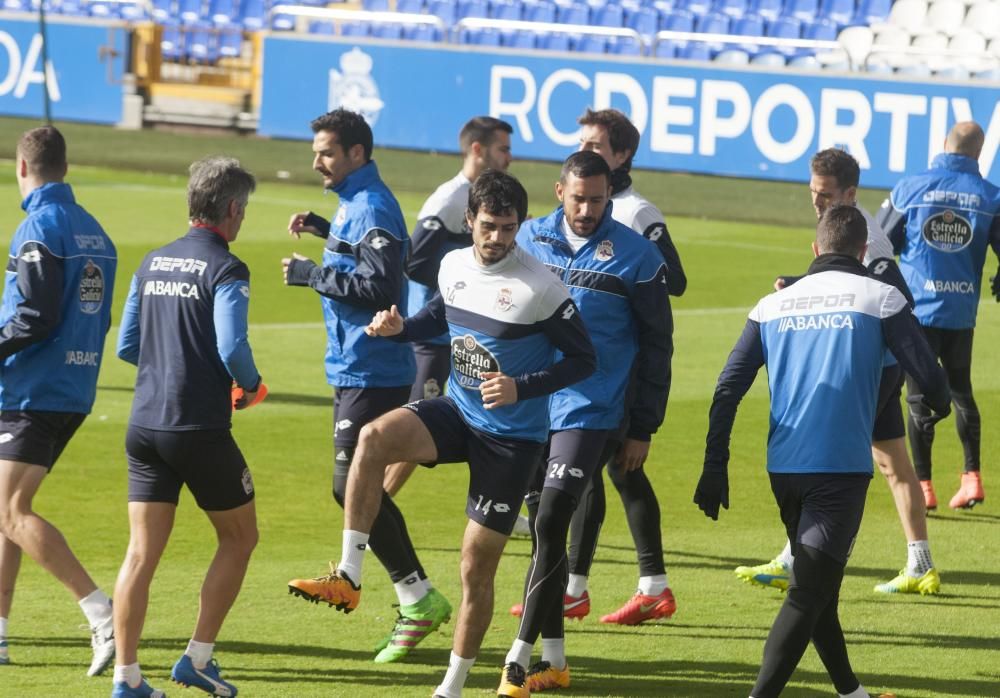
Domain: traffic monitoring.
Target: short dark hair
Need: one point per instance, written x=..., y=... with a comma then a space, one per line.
x=482, y=130
x=583, y=164
x=350, y=127
x=215, y=181
x=839, y=164
x=498, y=193
x=842, y=229
x=622, y=133
x=44, y=149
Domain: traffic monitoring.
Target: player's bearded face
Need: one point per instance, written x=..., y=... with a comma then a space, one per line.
x=493, y=236
x=498, y=156
x=584, y=201
x=331, y=160
x=826, y=192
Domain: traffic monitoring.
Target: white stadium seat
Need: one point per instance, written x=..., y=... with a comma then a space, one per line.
x=984, y=17
x=968, y=40
x=733, y=56
x=945, y=16
x=908, y=14
x=857, y=42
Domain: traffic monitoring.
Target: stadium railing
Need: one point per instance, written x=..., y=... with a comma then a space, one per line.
x=720, y=40
x=340, y=16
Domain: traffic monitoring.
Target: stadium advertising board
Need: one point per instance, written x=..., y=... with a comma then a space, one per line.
x=84, y=67
x=743, y=123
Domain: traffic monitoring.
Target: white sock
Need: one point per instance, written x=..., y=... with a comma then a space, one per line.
x=859, y=692
x=520, y=653
x=410, y=589
x=3, y=628
x=97, y=607
x=653, y=585
x=200, y=653
x=576, y=586
x=554, y=651
x=918, y=558
x=454, y=678
x=353, y=554
x=786, y=556
x=129, y=673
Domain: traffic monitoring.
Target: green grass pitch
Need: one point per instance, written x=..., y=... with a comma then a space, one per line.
x=276, y=645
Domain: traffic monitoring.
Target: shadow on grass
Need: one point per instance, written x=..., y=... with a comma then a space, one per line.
x=282, y=398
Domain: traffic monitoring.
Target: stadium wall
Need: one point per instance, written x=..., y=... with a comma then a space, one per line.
x=738, y=122
x=86, y=66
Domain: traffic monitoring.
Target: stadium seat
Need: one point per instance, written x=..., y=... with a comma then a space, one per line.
x=252, y=14
x=540, y=11
x=749, y=25
x=488, y=37
x=645, y=20
x=954, y=72
x=713, y=23
x=554, y=42
x=611, y=15
x=17, y=5
x=505, y=9
x=375, y=5
x=321, y=28
x=575, y=13
x=679, y=21
x=803, y=10
x=172, y=42
x=984, y=16
x=804, y=62
x=190, y=11
x=770, y=59
x=945, y=16
x=626, y=46
x=387, y=30
x=857, y=42
x=359, y=29
x=421, y=32
x=230, y=43
x=283, y=23
x=696, y=51
x=519, y=39
x=732, y=8
x=133, y=12
x=101, y=10
x=907, y=14
x=968, y=40
x=838, y=11
x=916, y=69
x=473, y=8
x=200, y=43
x=698, y=7
x=992, y=74
x=222, y=12
x=445, y=10
x=785, y=28
x=588, y=43
x=768, y=9
x=662, y=6
x=732, y=56
x=410, y=6
x=871, y=11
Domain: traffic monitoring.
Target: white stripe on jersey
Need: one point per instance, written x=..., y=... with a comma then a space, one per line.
x=879, y=246
x=831, y=292
x=448, y=203
x=631, y=209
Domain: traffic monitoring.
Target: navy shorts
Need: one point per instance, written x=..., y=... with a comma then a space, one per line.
x=822, y=510
x=500, y=469
x=36, y=437
x=573, y=456
x=889, y=423
x=433, y=368
x=208, y=461
x=355, y=407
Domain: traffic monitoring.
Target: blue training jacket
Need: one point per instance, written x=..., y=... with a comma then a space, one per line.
x=56, y=305
x=363, y=272
x=823, y=340
x=618, y=281
x=941, y=222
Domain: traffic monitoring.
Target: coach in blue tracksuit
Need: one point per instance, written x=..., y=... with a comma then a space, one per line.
x=824, y=342
x=941, y=222
x=56, y=311
x=362, y=273
x=618, y=281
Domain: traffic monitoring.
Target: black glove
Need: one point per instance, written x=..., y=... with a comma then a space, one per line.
x=712, y=490
x=924, y=416
x=995, y=286
x=321, y=225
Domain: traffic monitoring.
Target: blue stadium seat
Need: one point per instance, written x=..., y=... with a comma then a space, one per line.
x=626, y=46
x=696, y=51
x=222, y=12
x=505, y=9
x=101, y=10
x=172, y=42
x=133, y=12
x=712, y=23
x=749, y=25
x=768, y=9
x=871, y=11
x=518, y=39
x=666, y=49
x=576, y=13
x=230, y=43
x=190, y=11
x=421, y=32
x=645, y=20
x=410, y=6
x=804, y=10
x=769, y=59
x=321, y=28
x=698, y=7
x=200, y=43
x=252, y=14
x=488, y=37
x=662, y=6
x=785, y=28
x=473, y=8
x=588, y=43
x=375, y=5
x=387, y=30
x=554, y=42
x=839, y=11
x=356, y=29
x=732, y=56
x=732, y=8
x=540, y=11
x=678, y=21
x=17, y=5
x=445, y=10
x=821, y=30
x=610, y=16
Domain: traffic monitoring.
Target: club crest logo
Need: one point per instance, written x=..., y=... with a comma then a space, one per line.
x=505, y=300
x=605, y=251
x=341, y=216
x=91, y=288
x=431, y=389
x=353, y=88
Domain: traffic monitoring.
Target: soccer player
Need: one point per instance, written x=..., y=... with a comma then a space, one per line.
x=834, y=177
x=507, y=315
x=363, y=271
x=941, y=222
x=185, y=327
x=617, y=279
x=611, y=135
x=441, y=228
x=56, y=311
x=823, y=341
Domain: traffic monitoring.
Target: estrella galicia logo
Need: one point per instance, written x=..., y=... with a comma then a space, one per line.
x=471, y=360
x=354, y=89
x=947, y=231
x=91, y=288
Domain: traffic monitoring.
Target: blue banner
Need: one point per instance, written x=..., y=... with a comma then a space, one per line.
x=84, y=69
x=743, y=123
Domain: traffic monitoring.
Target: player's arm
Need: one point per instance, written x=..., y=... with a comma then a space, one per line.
x=651, y=225
x=566, y=331
x=737, y=376
x=128, y=332
x=893, y=222
x=887, y=271
x=40, y=284
x=427, y=249
x=907, y=342
x=655, y=324
x=375, y=284
x=230, y=316
x=995, y=244
x=430, y=322
x=308, y=222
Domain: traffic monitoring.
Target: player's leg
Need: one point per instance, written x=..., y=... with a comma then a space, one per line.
x=774, y=573
x=10, y=564
x=920, y=441
x=584, y=532
x=956, y=357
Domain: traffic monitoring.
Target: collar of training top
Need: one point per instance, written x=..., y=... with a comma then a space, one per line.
x=48, y=193
x=955, y=162
x=837, y=262
x=202, y=233
x=551, y=226
x=359, y=180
